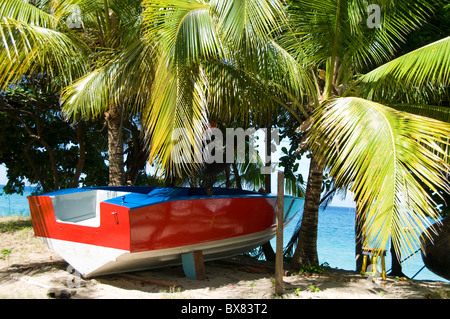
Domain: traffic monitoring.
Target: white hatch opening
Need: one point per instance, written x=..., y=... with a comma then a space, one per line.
x=81, y=208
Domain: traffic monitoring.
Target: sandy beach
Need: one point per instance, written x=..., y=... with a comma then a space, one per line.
x=31, y=269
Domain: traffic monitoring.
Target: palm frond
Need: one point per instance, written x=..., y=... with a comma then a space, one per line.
x=114, y=83
x=26, y=48
x=440, y=113
x=243, y=24
x=196, y=58
x=89, y=96
x=386, y=156
x=27, y=13
x=238, y=93
x=327, y=28
x=183, y=31
x=176, y=119
x=427, y=65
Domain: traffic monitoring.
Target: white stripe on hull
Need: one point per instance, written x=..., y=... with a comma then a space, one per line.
x=91, y=260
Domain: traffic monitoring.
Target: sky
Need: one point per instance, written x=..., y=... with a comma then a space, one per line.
x=3, y=179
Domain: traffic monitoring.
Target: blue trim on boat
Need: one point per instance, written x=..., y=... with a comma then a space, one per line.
x=148, y=189
x=141, y=200
x=141, y=196
x=131, y=189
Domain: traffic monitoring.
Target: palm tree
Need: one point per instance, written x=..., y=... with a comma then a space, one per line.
x=121, y=76
x=235, y=42
x=208, y=69
x=379, y=153
x=103, y=66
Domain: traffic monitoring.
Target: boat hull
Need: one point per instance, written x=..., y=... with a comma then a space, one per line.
x=92, y=260
x=133, y=231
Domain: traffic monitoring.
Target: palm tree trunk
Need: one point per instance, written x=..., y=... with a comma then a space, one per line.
x=115, y=147
x=267, y=247
x=137, y=153
x=268, y=155
x=359, y=240
x=396, y=264
x=306, y=251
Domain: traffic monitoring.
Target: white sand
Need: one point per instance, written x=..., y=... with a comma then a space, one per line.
x=31, y=260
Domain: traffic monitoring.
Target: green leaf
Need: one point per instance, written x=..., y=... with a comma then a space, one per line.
x=25, y=48
x=385, y=157
x=427, y=65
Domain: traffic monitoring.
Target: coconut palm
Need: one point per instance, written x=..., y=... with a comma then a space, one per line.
x=320, y=50
x=379, y=153
x=207, y=68
x=120, y=78
x=103, y=67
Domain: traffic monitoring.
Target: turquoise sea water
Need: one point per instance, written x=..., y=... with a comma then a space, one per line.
x=335, y=244
x=14, y=204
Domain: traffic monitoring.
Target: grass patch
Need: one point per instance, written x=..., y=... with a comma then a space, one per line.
x=13, y=224
x=321, y=269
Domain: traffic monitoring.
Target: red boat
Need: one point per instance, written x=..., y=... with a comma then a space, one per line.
x=108, y=230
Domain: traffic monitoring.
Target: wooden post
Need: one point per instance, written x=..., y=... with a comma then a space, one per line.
x=279, y=247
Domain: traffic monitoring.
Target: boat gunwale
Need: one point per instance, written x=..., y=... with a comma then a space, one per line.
x=238, y=194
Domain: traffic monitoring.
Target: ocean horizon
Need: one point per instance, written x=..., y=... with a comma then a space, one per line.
x=335, y=242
